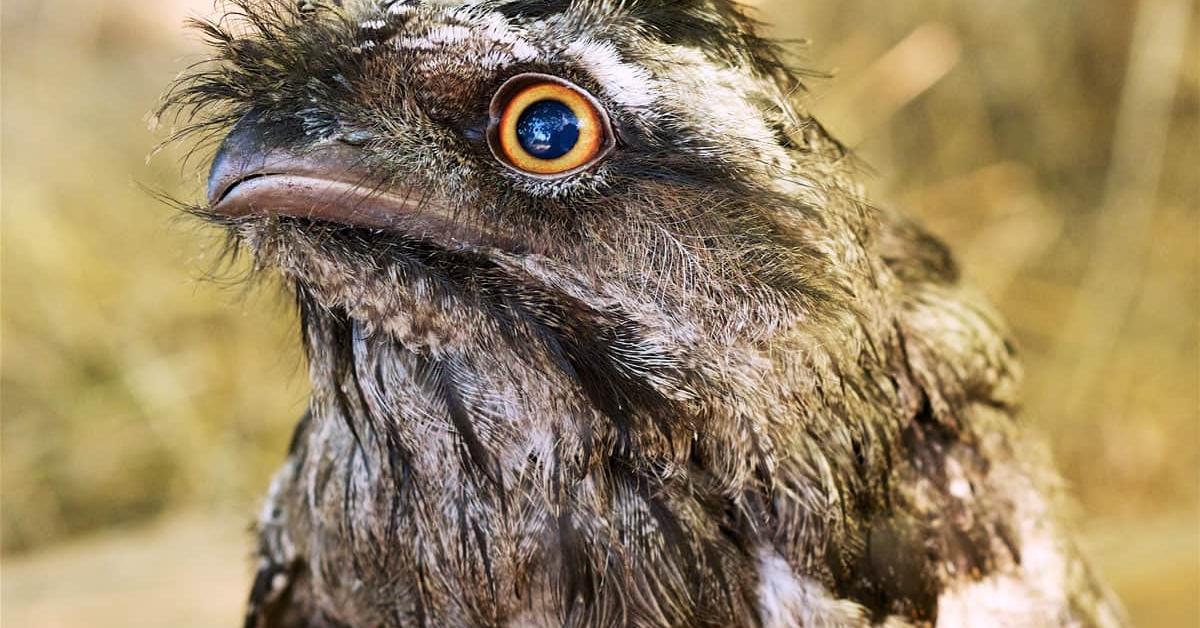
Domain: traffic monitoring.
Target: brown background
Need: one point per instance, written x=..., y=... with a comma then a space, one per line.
x=145, y=401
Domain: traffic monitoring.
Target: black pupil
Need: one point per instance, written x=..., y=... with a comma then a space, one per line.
x=548, y=129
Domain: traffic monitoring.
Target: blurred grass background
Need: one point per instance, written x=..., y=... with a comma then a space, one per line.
x=1054, y=145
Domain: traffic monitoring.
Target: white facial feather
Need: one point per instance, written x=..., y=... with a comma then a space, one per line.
x=628, y=85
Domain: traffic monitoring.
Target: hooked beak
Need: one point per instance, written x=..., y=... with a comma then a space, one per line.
x=250, y=176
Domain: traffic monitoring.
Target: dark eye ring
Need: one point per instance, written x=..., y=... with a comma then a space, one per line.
x=546, y=127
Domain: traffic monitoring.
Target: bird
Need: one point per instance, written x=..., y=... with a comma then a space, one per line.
x=603, y=330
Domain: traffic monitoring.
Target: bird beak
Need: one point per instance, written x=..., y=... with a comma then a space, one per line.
x=252, y=177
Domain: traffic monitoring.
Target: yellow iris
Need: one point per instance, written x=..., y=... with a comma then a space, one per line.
x=591, y=123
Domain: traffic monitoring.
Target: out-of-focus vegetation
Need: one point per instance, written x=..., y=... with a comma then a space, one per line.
x=1053, y=144
x=131, y=384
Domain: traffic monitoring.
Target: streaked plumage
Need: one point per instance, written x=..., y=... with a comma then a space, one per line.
x=701, y=382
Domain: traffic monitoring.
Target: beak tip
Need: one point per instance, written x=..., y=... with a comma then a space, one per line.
x=217, y=181
x=241, y=152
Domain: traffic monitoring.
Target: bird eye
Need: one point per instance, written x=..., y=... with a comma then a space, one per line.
x=544, y=126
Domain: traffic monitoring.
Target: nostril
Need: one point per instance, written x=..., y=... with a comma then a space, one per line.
x=355, y=138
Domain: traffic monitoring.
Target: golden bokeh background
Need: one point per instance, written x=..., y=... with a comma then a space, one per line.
x=146, y=394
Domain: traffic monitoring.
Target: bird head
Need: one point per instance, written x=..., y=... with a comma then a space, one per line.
x=421, y=164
